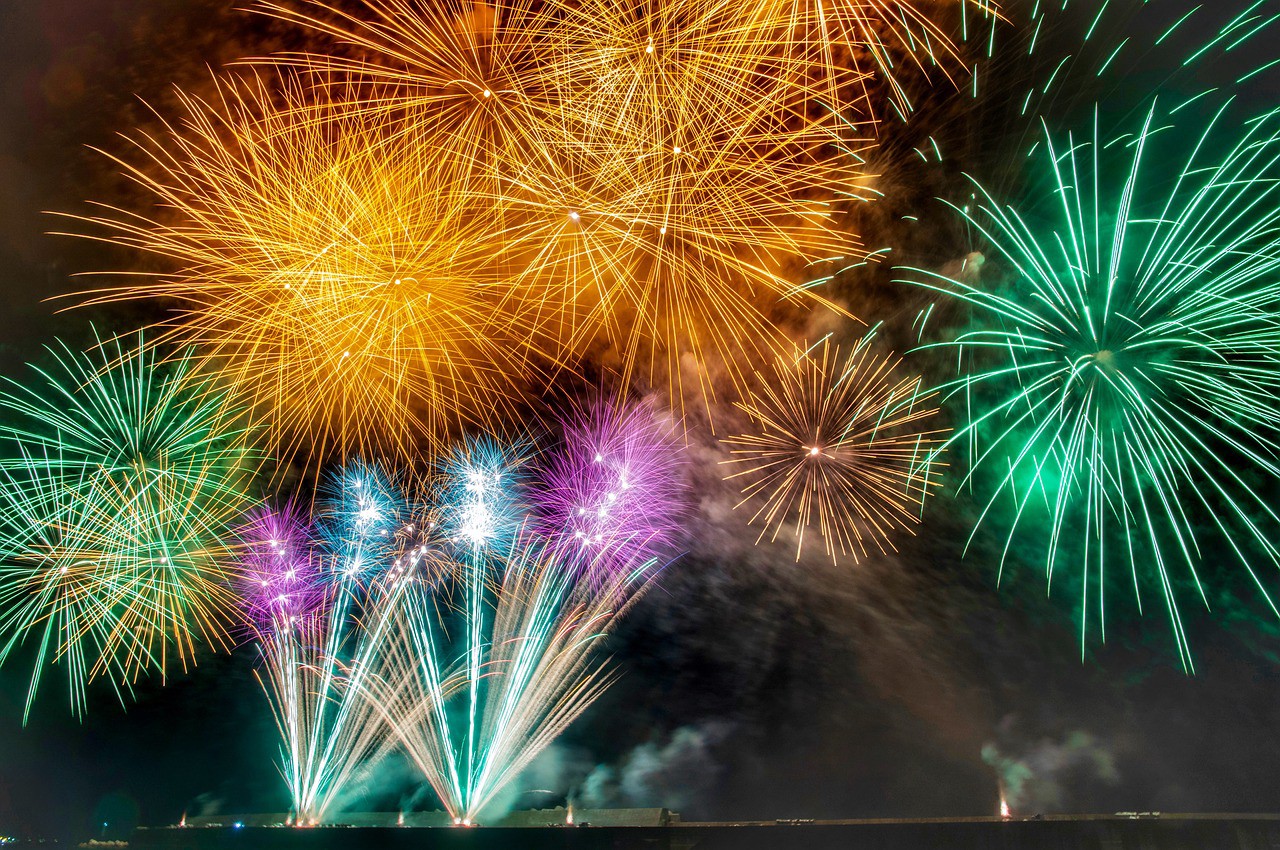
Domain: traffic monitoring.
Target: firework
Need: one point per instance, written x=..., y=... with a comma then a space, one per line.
x=1059, y=60
x=461, y=634
x=1120, y=389
x=328, y=732
x=841, y=444
x=362, y=512
x=684, y=244
x=326, y=269
x=894, y=44
x=482, y=482
x=612, y=492
x=507, y=72
x=654, y=178
x=654, y=68
x=283, y=598
x=484, y=514
x=119, y=475
x=278, y=581
x=318, y=660
x=467, y=79
x=53, y=589
x=540, y=673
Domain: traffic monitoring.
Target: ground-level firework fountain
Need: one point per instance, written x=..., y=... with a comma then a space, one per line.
x=456, y=617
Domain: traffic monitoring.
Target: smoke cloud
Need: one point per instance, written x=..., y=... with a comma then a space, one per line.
x=675, y=772
x=1049, y=774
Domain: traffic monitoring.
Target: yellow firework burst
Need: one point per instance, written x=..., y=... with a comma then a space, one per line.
x=335, y=278
x=840, y=444
x=702, y=182
x=468, y=80
x=658, y=175
x=888, y=41
x=680, y=245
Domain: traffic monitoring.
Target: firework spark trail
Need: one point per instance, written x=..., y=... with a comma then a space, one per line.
x=1060, y=59
x=477, y=670
x=612, y=492
x=285, y=606
x=318, y=668
x=369, y=545
x=121, y=474
x=537, y=662
x=840, y=445
x=533, y=602
x=888, y=41
x=1127, y=372
x=652, y=172
x=284, y=600
x=545, y=629
x=51, y=575
x=326, y=268
x=484, y=514
x=675, y=218
x=362, y=514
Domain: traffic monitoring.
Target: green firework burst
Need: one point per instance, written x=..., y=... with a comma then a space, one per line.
x=119, y=475
x=1120, y=389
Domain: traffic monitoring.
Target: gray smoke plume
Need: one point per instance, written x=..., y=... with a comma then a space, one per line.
x=1049, y=774
x=206, y=804
x=675, y=772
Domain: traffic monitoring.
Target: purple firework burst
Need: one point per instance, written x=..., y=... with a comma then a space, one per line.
x=614, y=492
x=278, y=582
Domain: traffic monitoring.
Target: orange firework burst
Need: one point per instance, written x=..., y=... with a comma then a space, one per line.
x=841, y=444
x=467, y=79
x=657, y=172
x=681, y=244
x=702, y=182
x=336, y=280
x=376, y=254
x=885, y=39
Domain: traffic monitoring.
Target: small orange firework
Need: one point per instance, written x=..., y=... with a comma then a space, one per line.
x=325, y=268
x=841, y=444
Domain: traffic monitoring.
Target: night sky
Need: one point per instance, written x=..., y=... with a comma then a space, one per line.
x=754, y=687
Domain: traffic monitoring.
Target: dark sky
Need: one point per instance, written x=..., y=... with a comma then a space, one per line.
x=753, y=687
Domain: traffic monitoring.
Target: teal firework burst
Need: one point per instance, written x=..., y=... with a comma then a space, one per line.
x=1119, y=391
x=119, y=476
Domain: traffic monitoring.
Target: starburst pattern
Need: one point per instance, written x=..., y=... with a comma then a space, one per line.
x=328, y=271
x=120, y=477
x=1121, y=390
x=611, y=494
x=841, y=443
x=657, y=175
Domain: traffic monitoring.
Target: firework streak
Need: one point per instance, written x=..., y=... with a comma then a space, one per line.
x=1124, y=373
x=451, y=623
x=120, y=475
